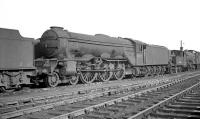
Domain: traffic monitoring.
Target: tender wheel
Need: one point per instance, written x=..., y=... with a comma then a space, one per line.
x=74, y=80
x=119, y=74
x=88, y=77
x=53, y=80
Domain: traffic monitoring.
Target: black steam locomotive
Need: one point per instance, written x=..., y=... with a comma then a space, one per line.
x=61, y=56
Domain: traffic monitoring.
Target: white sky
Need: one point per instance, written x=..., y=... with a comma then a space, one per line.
x=160, y=22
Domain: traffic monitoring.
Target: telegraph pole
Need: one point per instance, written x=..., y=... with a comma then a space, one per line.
x=181, y=48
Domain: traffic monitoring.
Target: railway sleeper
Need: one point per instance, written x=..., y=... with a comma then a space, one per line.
x=93, y=116
x=132, y=100
x=114, y=109
x=192, y=98
x=20, y=106
x=39, y=115
x=102, y=112
x=119, y=105
x=62, y=107
x=57, y=112
x=77, y=106
x=180, y=111
x=189, y=100
x=185, y=104
x=190, y=103
x=7, y=109
x=171, y=116
x=128, y=103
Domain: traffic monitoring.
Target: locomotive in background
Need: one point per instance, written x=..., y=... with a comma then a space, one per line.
x=61, y=56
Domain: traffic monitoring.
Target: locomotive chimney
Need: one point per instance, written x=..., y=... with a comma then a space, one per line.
x=56, y=27
x=181, y=48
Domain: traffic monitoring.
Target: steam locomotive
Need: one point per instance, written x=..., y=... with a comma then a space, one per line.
x=61, y=56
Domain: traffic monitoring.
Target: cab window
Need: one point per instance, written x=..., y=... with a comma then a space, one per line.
x=139, y=48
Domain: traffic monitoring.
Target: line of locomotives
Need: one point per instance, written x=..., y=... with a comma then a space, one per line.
x=60, y=56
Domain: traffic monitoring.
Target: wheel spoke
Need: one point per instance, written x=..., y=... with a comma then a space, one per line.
x=105, y=76
x=88, y=77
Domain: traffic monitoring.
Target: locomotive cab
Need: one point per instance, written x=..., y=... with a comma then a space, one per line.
x=178, y=57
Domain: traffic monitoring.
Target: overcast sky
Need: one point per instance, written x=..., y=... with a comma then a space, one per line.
x=160, y=22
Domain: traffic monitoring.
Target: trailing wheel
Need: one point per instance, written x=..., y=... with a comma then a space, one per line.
x=88, y=77
x=120, y=72
x=52, y=80
x=74, y=80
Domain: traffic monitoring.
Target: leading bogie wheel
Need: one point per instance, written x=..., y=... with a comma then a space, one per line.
x=52, y=80
x=74, y=80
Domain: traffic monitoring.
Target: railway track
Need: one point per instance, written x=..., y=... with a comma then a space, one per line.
x=138, y=105
x=17, y=107
x=75, y=104
x=183, y=105
x=72, y=90
x=46, y=93
x=28, y=90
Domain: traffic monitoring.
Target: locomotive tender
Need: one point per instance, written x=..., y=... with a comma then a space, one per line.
x=16, y=59
x=61, y=56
